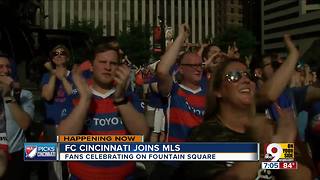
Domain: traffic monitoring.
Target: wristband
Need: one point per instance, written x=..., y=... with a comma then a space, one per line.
x=121, y=102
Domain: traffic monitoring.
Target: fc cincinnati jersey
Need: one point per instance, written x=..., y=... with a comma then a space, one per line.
x=54, y=108
x=103, y=118
x=186, y=111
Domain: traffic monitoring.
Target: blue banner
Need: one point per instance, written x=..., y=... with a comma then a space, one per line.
x=160, y=147
x=40, y=151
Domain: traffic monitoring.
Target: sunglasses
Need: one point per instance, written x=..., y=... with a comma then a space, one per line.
x=235, y=76
x=62, y=53
x=201, y=65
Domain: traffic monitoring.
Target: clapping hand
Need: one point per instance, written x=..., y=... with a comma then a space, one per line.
x=6, y=85
x=80, y=83
x=286, y=127
x=61, y=72
x=121, y=79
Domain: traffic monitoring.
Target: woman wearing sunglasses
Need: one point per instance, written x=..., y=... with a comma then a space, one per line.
x=230, y=117
x=56, y=85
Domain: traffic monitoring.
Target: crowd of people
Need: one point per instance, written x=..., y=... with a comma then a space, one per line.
x=201, y=95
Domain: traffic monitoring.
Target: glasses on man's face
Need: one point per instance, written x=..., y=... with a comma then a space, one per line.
x=235, y=76
x=61, y=53
x=194, y=66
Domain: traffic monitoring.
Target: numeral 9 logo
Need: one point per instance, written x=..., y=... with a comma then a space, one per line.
x=275, y=151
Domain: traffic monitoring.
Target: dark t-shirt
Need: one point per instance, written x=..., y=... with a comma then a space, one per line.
x=214, y=131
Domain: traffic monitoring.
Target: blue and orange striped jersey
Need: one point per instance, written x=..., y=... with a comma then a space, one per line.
x=104, y=119
x=186, y=111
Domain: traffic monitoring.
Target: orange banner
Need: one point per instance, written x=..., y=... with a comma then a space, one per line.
x=100, y=138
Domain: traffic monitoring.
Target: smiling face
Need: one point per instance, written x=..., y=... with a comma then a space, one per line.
x=191, y=68
x=59, y=56
x=236, y=87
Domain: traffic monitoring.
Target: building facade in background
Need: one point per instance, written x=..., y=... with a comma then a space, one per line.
x=228, y=13
x=300, y=18
x=115, y=15
x=252, y=20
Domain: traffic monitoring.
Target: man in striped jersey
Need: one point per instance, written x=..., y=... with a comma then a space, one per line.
x=103, y=109
x=186, y=98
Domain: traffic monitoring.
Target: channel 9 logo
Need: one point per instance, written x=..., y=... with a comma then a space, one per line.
x=279, y=152
x=40, y=151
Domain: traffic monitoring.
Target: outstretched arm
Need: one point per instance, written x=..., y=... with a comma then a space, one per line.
x=169, y=59
x=202, y=47
x=273, y=88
